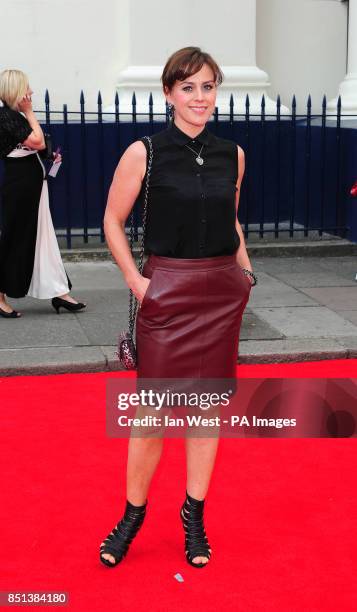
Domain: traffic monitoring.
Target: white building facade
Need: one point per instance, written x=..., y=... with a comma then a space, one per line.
x=265, y=47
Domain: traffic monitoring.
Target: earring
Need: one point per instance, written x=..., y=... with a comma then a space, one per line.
x=170, y=111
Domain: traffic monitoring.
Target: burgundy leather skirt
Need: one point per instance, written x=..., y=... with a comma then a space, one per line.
x=189, y=321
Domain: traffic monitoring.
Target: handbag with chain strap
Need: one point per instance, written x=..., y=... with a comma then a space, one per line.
x=126, y=344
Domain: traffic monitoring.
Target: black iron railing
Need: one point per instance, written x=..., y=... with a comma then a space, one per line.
x=299, y=168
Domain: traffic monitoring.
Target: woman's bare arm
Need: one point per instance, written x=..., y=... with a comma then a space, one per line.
x=242, y=255
x=36, y=139
x=124, y=190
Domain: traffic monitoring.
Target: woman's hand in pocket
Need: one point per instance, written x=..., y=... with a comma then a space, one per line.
x=249, y=280
x=141, y=287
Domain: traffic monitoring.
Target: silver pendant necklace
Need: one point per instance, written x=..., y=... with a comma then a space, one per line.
x=199, y=159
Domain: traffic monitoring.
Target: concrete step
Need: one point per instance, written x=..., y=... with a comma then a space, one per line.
x=323, y=248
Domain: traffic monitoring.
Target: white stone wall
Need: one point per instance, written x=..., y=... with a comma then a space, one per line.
x=69, y=45
x=302, y=45
x=65, y=46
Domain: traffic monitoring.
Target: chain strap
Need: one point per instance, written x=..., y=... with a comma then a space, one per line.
x=133, y=301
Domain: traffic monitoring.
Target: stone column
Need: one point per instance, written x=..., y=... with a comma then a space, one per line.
x=227, y=31
x=348, y=87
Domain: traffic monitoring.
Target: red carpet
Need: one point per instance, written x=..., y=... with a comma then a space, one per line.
x=280, y=514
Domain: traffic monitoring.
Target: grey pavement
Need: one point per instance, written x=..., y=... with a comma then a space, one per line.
x=303, y=308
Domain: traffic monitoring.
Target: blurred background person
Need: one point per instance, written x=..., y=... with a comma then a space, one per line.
x=30, y=260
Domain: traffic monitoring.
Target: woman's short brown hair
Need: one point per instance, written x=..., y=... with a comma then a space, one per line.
x=184, y=63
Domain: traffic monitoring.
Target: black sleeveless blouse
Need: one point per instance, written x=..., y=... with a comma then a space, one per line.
x=191, y=207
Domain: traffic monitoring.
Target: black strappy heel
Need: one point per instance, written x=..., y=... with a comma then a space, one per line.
x=118, y=541
x=196, y=542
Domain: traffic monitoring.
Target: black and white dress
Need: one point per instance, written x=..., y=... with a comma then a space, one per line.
x=30, y=260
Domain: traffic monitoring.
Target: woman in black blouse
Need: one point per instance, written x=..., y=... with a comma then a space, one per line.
x=30, y=260
x=195, y=283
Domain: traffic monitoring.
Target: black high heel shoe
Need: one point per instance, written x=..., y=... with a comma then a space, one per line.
x=196, y=542
x=118, y=541
x=57, y=303
x=10, y=315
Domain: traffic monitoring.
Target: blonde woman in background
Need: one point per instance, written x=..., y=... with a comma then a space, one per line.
x=30, y=260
